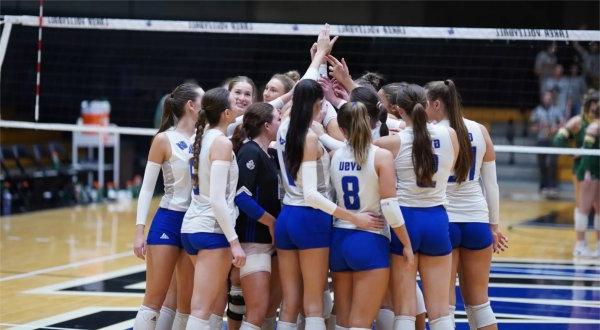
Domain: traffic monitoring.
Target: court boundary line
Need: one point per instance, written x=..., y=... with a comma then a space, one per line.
x=66, y=266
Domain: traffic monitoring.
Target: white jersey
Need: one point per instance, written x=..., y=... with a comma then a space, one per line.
x=466, y=202
x=293, y=187
x=409, y=193
x=200, y=216
x=356, y=187
x=176, y=173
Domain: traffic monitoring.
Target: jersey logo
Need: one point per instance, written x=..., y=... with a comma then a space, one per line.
x=164, y=236
x=436, y=143
x=182, y=145
x=250, y=165
x=281, y=141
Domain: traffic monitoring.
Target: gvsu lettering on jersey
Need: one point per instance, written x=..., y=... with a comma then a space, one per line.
x=349, y=166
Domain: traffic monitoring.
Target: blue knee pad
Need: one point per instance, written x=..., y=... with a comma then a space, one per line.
x=194, y=242
x=357, y=250
x=302, y=227
x=470, y=235
x=166, y=228
x=428, y=231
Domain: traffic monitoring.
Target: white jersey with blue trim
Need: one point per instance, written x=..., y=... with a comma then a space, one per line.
x=176, y=173
x=409, y=193
x=200, y=217
x=466, y=202
x=356, y=186
x=293, y=187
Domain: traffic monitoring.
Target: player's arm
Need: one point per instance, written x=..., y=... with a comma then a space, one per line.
x=591, y=135
x=159, y=152
x=567, y=132
x=315, y=199
x=384, y=165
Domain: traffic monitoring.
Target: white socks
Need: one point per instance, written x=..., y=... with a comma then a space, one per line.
x=286, y=326
x=165, y=319
x=441, y=323
x=385, y=320
x=180, y=321
x=216, y=322
x=270, y=323
x=315, y=323
x=195, y=323
x=145, y=319
x=249, y=326
x=403, y=322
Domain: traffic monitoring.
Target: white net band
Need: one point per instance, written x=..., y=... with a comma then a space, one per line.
x=376, y=31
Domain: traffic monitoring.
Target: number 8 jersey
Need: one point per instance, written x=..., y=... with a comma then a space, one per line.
x=356, y=187
x=466, y=202
x=409, y=193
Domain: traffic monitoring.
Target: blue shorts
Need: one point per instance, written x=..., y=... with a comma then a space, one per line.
x=470, y=235
x=428, y=231
x=192, y=243
x=302, y=227
x=358, y=250
x=166, y=228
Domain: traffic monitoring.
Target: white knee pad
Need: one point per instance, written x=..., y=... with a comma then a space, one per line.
x=165, y=319
x=215, y=321
x=596, y=221
x=385, y=320
x=581, y=220
x=420, y=301
x=256, y=263
x=327, y=304
x=195, y=323
x=286, y=326
x=145, y=319
x=441, y=323
x=248, y=326
x=339, y=327
x=482, y=315
x=180, y=321
x=404, y=322
x=315, y=323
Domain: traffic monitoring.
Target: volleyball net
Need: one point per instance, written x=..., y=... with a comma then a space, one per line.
x=132, y=63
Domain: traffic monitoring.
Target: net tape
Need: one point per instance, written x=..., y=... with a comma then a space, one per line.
x=375, y=31
x=152, y=131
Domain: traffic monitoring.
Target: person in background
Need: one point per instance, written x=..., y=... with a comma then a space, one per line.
x=544, y=63
x=591, y=62
x=559, y=85
x=545, y=121
x=577, y=88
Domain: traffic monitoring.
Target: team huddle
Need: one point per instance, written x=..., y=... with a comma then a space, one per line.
x=364, y=183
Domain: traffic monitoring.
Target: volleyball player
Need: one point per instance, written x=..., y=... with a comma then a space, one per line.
x=303, y=228
x=243, y=92
x=208, y=229
x=575, y=129
x=257, y=199
x=170, y=151
x=474, y=217
x=424, y=156
x=588, y=171
x=364, y=180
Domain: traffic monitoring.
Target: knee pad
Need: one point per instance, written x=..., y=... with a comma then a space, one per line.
x=597, y=221
x=215, y=321
x=420, y=302
x=403, y=322
x=385, y=320
x=236, y=307
x=581, y=220
x=260, y=262
x=286, y=326
x=482, y=315
x=339, y=327
x=327, y=304
x=441, y=323
x=248, y=326
x=314, y=322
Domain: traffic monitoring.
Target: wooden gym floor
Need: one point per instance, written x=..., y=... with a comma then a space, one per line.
x=74, y=268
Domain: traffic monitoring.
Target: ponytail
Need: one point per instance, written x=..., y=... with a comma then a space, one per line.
x=383, y=129
x=200, y=125
x=353, y=118
x=174, y=104
x=422, y=151
x=237, y=139
x=446, y=92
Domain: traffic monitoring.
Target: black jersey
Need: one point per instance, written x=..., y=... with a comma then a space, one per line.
x=258, y=179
